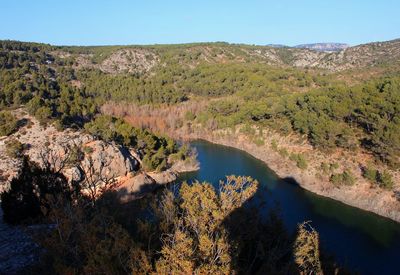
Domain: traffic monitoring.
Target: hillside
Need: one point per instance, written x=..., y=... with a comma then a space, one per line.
x=329, y=56
x=106, y=115
x=324, y=47
x=336, y=108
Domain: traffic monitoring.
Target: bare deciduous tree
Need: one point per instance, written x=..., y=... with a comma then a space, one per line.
x=96, y=176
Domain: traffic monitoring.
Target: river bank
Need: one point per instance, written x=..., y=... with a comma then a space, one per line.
x=133, y=187
x=360, y=195
x=366, y=242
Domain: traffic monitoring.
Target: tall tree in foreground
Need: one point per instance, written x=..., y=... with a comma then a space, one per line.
x=306, y=250
x=196, y=239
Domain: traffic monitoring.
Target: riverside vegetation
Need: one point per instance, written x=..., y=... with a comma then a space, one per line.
x=324, y=100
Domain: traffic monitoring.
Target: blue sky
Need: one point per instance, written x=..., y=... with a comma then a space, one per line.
x=290, y=22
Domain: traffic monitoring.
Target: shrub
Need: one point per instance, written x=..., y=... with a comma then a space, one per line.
x=14, y=148
x=43, y=114
x=258, y=141
x=189, y=115
x=76, y=155
x=345, y=178
x=336, y=179
x=87, y=149
x=8, y=123
x=370, y=174
x=248, y=130
x=156, y=162
x=385, y=180
x=334, y=166
x=348, y=177
x=325, y=168
x=274, y=145
x=300, y=160
x=283, y=152
x=382, y=179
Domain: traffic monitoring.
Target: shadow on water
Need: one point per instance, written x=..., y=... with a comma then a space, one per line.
x=362, y=240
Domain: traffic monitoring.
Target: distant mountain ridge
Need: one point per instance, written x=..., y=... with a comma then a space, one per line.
x=324, y=47
x=277, y=46
x=142, y=58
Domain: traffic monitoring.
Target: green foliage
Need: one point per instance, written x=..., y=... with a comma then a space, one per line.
x=258, y=141
x=182, y=236
x=28, y=76
x=248, y=130
x=329, y=114
x=190, y=116
x=14, y=148
x=157, y=161
x=283, y=152
x=158, y=88
x=87, y=150
x=345, y=178
x=333, y=166
x=332, y=117
x=274, y=145
x=300, y=160
x=8, y=123
x=76, y=155
x=325, y=168
x=155, y=149
x=381, y=178
x=182, y=153
x=385, y=180
x=370, y=173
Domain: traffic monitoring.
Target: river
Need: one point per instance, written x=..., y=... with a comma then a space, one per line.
x=363, y=241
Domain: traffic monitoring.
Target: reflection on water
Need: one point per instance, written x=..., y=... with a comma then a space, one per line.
x=363, y=240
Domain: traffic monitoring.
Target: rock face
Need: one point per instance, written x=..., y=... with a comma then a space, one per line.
x=112, y=161
x=116, y=160
x=324, y=47
x=129, y=61
x=136, y=186
x=46, y=144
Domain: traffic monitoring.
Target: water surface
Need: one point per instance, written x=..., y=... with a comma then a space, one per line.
x=364, y=241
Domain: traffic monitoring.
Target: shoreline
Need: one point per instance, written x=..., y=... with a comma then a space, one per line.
x=362, y=194
x=305, y=180
x=145, y=182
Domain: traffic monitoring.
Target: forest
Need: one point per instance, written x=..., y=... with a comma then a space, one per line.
x=331, y=110
x=190, y=228
x=365, y=115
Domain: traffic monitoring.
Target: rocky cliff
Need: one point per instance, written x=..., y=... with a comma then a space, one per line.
x=324, y=47
x=77, y=154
